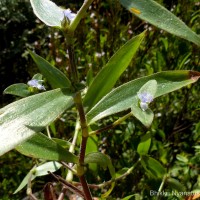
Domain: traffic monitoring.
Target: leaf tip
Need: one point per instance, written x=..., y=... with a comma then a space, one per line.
x=194, y=75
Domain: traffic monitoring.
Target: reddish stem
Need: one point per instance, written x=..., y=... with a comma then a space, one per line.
x=86, y=189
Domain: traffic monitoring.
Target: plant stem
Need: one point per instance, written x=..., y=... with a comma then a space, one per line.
x=69, y=168
x=117, y=122
x=32, y=196
x=129, y=171
x=69, y=186
x=80, y=15
x=83, y=122
x=72, y=64
x=161, y=186
x=122, y=176
x=73, y=144
x=69, y=34
x=48, y=132
x=69, y=176
x=62, y=194
x=85, y=134
x=84, y=127
x=29, y=190
x=82, y=150
x=86, y=189
x=78, y=99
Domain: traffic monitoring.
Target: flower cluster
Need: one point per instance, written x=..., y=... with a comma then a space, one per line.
x=145, y=99
x=36, y=84
x=69, y=14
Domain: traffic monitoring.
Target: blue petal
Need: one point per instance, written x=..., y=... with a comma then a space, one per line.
x=36, y=84
x=145, y=97
x=69, y=14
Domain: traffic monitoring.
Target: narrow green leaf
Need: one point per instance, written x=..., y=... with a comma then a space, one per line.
x=175, y=184
x=92, y=144
x=105, y=162
x=18, y=89
x=40, y=146
x=182, y=158
x=185, y=59
x=108, y=76
x=21, y=119
x=121, y=172
x=129, y=197
x=144, y=145
x=159, y=16
x=41, y=170
x=53, y=75
x=89, y=77
x=48, y=12
x=101, y=159
x=65, y=144
x=106, y=194
x=122, y=97
x=153, y=167
x=25, y=181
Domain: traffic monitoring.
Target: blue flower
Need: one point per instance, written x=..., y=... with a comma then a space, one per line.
x=69, y=14
x=145, y=99
x=36, y=84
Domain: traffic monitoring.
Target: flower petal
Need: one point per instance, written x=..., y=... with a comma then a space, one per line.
x=36, y=84
x=69, y=14
x=145, y=97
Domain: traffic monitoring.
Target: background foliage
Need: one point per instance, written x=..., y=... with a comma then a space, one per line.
x=176, y=127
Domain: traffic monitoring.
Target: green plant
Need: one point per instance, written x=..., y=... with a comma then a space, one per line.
x=22, y=121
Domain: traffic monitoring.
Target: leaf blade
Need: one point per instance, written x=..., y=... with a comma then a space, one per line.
x=40, y=146
x=48, y=12
x=121, y=98
x=18, y=89
x=104, y=161
x=153, y=167
x=144, y=145
x=41, y=170
x=175, y=184
x=55, y=77
x=159, y=16
x=101, y=159
x=107, y=77
x=21, y=119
